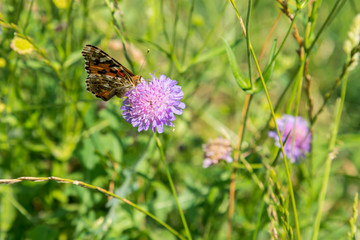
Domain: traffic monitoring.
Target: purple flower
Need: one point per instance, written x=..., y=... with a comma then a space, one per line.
x=153, y=104
x=216, y=150
x=302, y=136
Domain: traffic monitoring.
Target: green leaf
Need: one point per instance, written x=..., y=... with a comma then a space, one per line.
x=72, y=59
x=243, y=83
x=42, y=232
x=87, y=156
x=110, y=144
x=214, y=52
x=349, y=140
x=9, y=211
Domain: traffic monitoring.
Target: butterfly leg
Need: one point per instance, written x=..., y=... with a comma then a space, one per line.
x=137, y=94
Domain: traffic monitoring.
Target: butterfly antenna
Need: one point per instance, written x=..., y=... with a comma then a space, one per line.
x=142, y=65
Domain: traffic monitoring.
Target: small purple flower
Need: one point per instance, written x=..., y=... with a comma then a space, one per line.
x=302, y=136
x=216, y=150
x=153, y=104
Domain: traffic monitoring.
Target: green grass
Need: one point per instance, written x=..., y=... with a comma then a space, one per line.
x=51, y=126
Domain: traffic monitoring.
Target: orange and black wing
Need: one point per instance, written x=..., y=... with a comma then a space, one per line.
x=107, y=77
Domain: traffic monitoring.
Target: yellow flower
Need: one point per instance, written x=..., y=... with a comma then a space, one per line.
x=62, y=4
x=2, y=107
x=2, y=62
x=198, y=20
x=21, y=45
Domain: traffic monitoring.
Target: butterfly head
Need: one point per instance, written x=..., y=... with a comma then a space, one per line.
x=137, y=79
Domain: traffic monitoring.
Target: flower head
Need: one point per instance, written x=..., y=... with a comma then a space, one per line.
x=301, y=136
x=21, y=45
x=2, y=62
x=153, y=104
x=62, y=4
x=216, y=150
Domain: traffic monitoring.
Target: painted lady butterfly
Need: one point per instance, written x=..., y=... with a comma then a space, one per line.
x=107, y=77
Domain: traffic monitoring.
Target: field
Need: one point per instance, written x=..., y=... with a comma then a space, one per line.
x=257, y=138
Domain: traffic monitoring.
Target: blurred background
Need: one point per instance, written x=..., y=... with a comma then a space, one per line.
x=51, y=126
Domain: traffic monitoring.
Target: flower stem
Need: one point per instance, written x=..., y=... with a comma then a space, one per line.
x=85, y=185
x=282, y=147
x=333, y=12
x=258, y=222
x=232, y=186
x=248, y=41
x=162, y=156
x=276, y=126
x=331, y=155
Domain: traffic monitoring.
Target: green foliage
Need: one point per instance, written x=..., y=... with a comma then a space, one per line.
x=51, y=126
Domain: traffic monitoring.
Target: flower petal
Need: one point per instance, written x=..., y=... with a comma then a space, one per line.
x=153, y=104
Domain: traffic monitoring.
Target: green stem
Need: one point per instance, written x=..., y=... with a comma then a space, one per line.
x=251, y=171
x=85, y=14
x=248, y=41
x=284, y=40
x=277, y=129
x=310, y=26
x=281, y=145
x=66, y=42
x=85, y=185
x=28, y=16
x=259, y=218
x=336, y=83
x=172, y=49
x=188, y=31
x=333, y=11
x=210, y=34
x=163, y=21
x=279, y=103
x=298, y=77
x=162, y=155
x=120, y=31
x=299, y=88
x=331, y=155
x=232, y=185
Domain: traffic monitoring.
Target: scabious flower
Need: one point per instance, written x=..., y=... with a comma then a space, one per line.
x=216, y=150
x=301, y=136
x=153, y=104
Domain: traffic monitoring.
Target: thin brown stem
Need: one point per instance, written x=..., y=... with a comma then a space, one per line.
x=266, y=43
x=240, y=19
x=99, y=189
x=336, y=83
x=310, y=100
x=308, y=80
x=232, y=186
x=285, y=9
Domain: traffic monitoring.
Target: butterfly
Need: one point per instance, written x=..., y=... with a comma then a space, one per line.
x=107, y=77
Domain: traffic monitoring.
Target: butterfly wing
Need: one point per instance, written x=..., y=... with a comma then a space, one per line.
x=107, y=77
